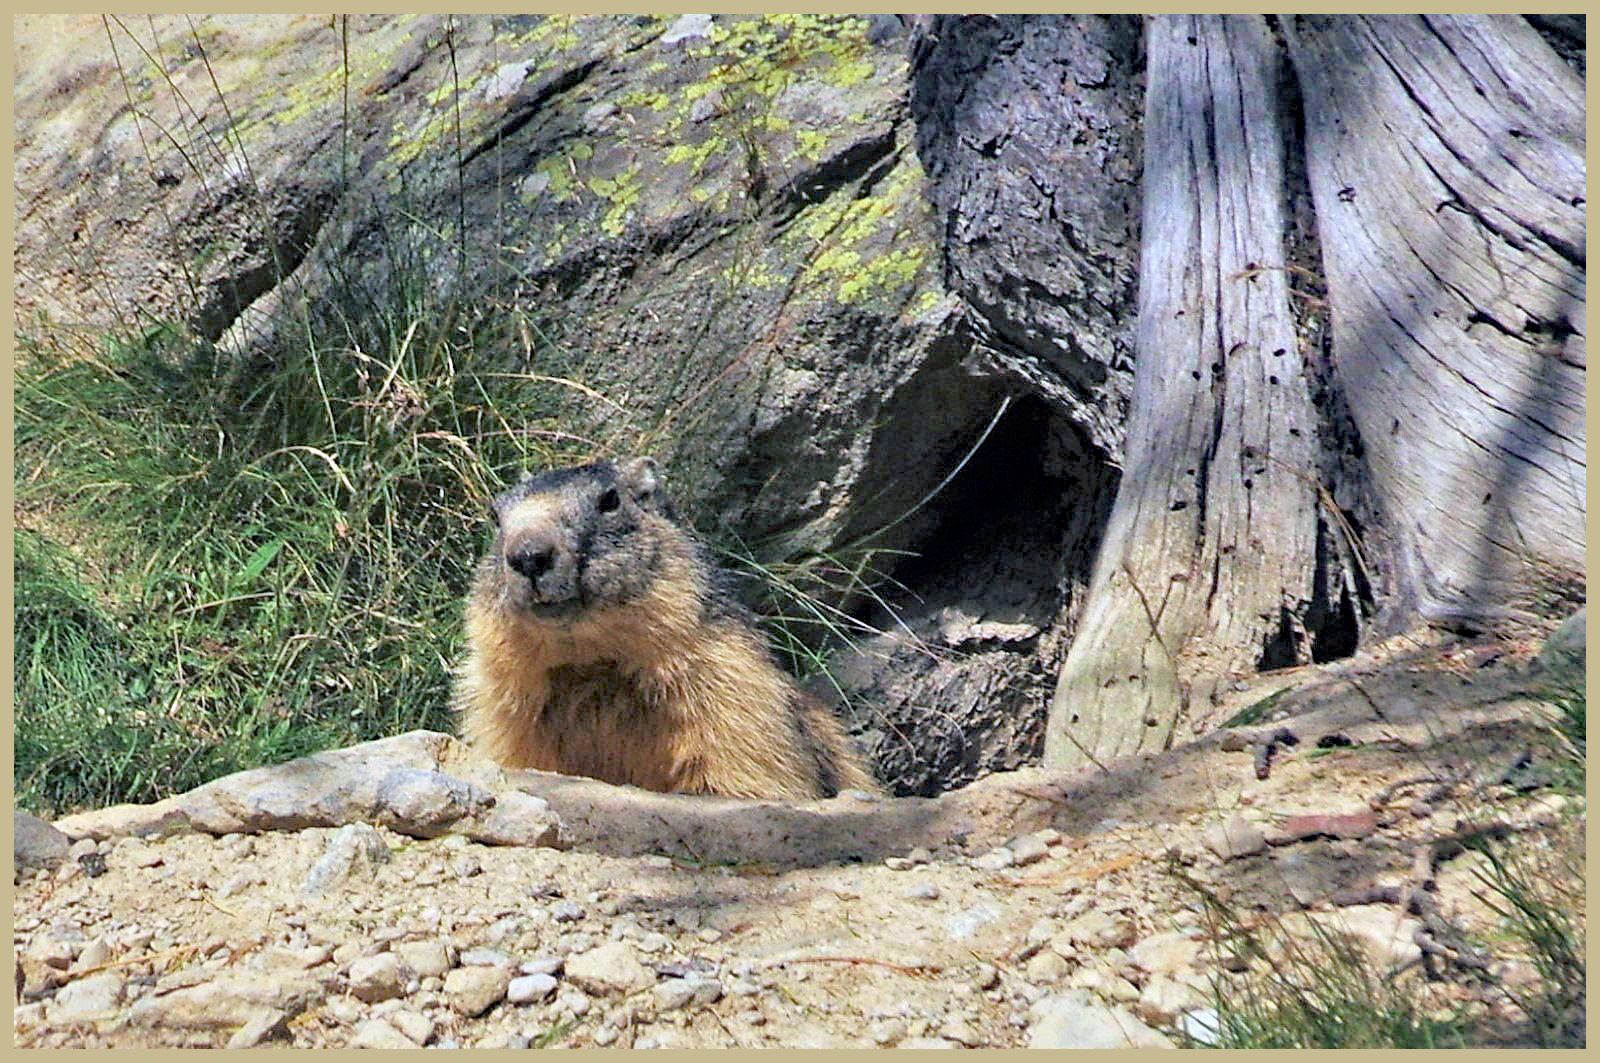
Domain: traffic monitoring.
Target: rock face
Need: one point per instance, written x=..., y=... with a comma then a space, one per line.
x=735, y=233
x=739, y=200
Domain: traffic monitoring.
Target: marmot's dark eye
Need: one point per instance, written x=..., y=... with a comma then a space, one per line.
x=609, y=500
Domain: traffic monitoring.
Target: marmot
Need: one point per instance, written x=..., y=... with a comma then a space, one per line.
x=603, y=641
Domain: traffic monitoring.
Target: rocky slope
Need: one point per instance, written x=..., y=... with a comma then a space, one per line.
x=401, y=894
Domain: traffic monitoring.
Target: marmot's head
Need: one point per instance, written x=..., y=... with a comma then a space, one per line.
x=576, y=539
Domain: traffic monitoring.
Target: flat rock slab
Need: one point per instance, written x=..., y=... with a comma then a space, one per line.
x=1346, y=825
x=421, y=784
x=425, y=784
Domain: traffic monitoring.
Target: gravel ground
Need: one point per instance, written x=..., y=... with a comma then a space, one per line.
x=1088, y=935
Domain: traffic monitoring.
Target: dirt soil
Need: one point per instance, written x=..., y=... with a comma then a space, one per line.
x=1349, y=791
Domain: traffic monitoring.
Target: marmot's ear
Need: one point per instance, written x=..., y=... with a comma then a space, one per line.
x=641, y=476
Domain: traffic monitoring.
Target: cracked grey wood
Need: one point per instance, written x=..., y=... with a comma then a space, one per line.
x=1212, y=538
x=1446, y=159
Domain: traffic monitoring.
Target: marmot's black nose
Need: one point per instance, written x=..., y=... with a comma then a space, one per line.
x=533, y=562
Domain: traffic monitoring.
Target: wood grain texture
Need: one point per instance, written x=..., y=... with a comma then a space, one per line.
x=1446, y=159
x=1211, y=544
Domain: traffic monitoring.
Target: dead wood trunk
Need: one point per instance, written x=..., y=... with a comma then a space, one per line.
x=1446, y=160
x=1207, y=562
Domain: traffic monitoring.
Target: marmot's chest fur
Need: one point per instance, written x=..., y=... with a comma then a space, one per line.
x=599, y=644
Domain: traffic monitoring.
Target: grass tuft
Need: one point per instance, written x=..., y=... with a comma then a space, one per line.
x=1322, y=991
x=1318, y=990
x=1539, y=905
x=224, y=562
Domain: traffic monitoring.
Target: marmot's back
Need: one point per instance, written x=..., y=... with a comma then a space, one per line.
x=601, y=642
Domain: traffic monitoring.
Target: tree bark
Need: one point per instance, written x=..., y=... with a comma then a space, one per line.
x=1028, y=131
x=1206, y=569
x=1446, y=161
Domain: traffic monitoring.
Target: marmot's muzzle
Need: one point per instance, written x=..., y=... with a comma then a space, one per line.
x=541, y=570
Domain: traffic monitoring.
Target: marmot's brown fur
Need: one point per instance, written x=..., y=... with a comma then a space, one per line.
x=602, y=641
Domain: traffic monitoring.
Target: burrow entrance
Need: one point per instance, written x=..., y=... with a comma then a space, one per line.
x=974, y=612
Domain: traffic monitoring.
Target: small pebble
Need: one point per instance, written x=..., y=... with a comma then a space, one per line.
x=574, y=1001
x=1236, y=838
x=139, y=853
x=565, y=912
x=474, y=990
x=258, y=1029
x=236, y=883
x=377, y=1033
x=1349, y=825
x=886, y=1031
x=1047, y=965
x=136, y=939
x=342, y=1010
x=348, y=952
x=530, y=988
x=1028, y=850
x=94, y=953
x=430, y=959
x=54, y=952
x=375, y=978
x=957, y=1029
x=484, y=957
x=416, y=1026
x=88, y=1000
x=672, y=994
x=993, y=860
